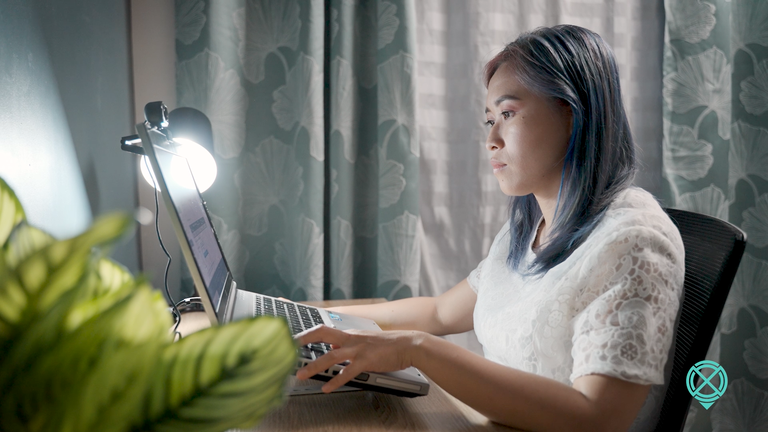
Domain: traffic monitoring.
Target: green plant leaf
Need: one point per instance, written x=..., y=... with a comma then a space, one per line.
x=112, y=275
x=107, y=288
x=13, y=299
x=85, y=346
x=11, y=212
x=24, y=241
x=43, y=288
x=221, y=378
x=105, y=361
x=110, y=400
x=48, y=273
x=37, y=293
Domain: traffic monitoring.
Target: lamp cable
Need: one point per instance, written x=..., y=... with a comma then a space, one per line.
x=175, y=309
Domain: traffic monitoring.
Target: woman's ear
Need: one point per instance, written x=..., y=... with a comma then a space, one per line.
x=567, y=112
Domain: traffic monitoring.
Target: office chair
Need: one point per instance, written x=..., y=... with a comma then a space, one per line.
x=713, y=250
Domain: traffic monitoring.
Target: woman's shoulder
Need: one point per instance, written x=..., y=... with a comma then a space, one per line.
x=636, y=198
x=635, y=225
x=635, y=209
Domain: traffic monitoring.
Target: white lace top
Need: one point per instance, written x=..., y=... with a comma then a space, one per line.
x=610, y=308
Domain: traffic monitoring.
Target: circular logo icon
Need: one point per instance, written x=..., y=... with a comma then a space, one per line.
x=713, y=383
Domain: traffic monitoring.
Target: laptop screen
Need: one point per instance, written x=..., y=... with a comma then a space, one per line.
x=195, y=223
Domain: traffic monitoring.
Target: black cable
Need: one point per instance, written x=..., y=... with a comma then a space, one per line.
x=189, y=300
x=176, y=313
x=190, y=304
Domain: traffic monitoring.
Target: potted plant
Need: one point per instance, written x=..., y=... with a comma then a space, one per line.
x=86, y=346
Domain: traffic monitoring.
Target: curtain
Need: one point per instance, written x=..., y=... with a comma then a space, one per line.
x=312, y=105
x=716, y=162
x=462, y=207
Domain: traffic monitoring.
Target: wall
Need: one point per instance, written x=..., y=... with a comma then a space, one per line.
x=65, y=101
x=154, y=79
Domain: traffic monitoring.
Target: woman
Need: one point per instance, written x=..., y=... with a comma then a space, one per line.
x=576, y=302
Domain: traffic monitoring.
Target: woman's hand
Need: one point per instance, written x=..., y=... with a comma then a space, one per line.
x=366, y=351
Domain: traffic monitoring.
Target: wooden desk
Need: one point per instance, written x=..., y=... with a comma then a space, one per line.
x=365, y=410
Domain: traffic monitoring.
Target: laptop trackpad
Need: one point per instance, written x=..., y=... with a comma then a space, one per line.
x=350, y=322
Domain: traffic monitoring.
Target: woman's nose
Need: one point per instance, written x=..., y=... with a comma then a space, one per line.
x=494, y=141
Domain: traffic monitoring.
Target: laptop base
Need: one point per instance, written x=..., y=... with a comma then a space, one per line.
x=298, y=387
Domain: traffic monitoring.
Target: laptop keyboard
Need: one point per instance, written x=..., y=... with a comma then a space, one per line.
x=299, y=317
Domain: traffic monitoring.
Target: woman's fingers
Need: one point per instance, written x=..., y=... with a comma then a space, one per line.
x=346, y=375
x=322, y=333
x=359, y=350
x=322, y=363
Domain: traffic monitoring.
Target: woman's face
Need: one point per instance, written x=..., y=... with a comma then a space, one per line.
x=527, y=138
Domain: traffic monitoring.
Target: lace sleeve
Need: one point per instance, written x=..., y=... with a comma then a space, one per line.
x=475, y=275
x=633, y=285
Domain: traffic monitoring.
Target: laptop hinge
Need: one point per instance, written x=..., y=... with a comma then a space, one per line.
x=230, y=310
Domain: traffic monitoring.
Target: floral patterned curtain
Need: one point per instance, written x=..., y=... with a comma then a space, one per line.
x=716, y=162
x=312, y=108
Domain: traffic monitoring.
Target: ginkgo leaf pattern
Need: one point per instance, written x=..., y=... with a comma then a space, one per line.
x=749, y=23
x=702, y=80
x=273, y=291
x=299, y=258
x=391, y=181
x=390, y=185
x=691, y=20
x=381, y=17
x=264, y=26
x=343, y=105
x=396, y=92
x=366, y=49
x=748, y=153
x=399, y=250
x=334, y=24
x=712, y=45
x=189, y=20
x=756, y=223
x=743, y=407
x=684, y=155
x=342, y=243
x=270, y=177
x=300, y=141
x=692, y=410
x=367, y=203
x=223, y=37
x=234, y=250
x=754, y=90
x=300, y=101
x=748, y=290
x=387, y=23
x=204, y=83
x=710, y=201
x=756, y=354
x=334, y=183
x=713, y=352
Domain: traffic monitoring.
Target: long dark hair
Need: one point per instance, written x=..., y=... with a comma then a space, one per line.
x=576, y=66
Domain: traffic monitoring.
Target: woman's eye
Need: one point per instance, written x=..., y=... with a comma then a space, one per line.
x=506, y=114
x=489, y=123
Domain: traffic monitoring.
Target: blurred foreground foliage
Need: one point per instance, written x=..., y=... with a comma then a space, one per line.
x=85, y=346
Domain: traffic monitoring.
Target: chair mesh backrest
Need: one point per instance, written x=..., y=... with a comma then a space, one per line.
x=713, y=250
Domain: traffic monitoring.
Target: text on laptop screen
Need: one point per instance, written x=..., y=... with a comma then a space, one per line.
x=194, y=219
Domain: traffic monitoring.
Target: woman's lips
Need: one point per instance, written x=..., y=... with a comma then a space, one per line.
x=497, y=165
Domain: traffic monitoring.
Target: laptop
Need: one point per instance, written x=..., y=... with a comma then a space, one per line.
x=223, y=301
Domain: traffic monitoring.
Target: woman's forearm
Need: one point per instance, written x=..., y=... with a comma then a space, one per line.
x=448, y=313
x=416, y=313
x=506, y=395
